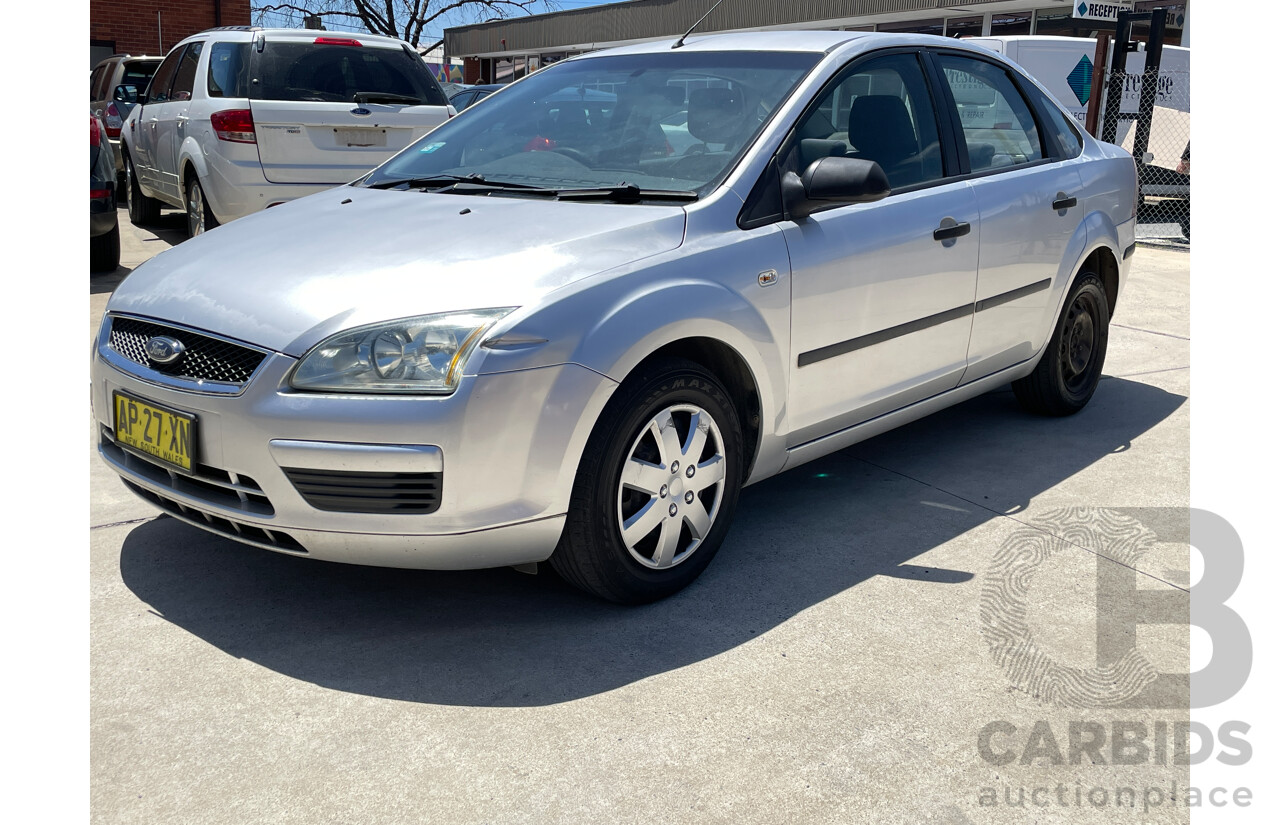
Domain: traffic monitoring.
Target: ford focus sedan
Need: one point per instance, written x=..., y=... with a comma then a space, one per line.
x=548, y=332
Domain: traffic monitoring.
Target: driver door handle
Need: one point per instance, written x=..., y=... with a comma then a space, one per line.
x=946, y=233
x=1063, y=202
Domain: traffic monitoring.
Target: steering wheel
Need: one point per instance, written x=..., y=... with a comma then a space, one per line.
x=573, y=154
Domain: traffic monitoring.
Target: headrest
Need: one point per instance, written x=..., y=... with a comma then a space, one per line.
x=716, y=115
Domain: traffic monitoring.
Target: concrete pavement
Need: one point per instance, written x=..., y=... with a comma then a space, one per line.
x=839, y=662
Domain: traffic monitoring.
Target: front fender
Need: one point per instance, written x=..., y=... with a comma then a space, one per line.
x=614, y=321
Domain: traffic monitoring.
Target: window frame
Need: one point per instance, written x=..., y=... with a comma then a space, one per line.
x=1050, y=149
x=176, y=54
x=196, y=46
x=766, y=190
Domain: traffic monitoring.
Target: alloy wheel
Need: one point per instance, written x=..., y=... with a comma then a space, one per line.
x=671, y=486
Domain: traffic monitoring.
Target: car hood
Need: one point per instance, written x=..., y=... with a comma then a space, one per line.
x=289, y=277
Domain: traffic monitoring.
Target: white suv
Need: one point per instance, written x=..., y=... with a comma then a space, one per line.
x=236, y=120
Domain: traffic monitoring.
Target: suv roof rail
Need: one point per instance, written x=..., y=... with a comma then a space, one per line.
x=234, y=29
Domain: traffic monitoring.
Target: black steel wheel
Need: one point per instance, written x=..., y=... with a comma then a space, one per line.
x=1071, y=365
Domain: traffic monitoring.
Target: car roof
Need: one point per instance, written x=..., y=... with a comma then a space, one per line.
x=790, y=41
x=249, y=33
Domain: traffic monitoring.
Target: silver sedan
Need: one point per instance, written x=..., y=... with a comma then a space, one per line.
x=543, y=333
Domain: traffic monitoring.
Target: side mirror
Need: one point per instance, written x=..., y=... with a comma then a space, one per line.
x=833, y=181
x=126, y=93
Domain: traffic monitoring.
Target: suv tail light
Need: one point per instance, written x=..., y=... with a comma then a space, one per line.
x=95, y=137
x=234, y=125
x=113, y=121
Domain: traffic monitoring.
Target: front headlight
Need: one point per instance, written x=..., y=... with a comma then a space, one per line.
x=413, y=355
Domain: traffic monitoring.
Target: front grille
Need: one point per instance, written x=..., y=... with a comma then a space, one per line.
x=348, y=492
x=205, y=358
x=218, y=487
x=239, y=531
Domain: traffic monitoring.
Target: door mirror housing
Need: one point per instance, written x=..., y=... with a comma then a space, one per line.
x=832, y=181
x=126, y=93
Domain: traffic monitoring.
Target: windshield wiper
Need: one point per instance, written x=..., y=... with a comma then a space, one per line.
x=427, y=182
x=625, y=193
x=385, y=97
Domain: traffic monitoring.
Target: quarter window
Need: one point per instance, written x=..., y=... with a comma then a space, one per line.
x=880, y=111
x=228, y=70
x=999, y=129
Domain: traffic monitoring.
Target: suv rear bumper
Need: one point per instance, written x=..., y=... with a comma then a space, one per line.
x=235, y=188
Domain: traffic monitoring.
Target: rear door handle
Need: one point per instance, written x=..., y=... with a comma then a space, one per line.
x=1063, y=202
x=947, y=232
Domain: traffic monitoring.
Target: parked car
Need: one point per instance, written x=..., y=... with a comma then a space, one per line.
x=242, y=119
x=472, y=94
x=104, y=226
x=114, y=86
x=504, y=346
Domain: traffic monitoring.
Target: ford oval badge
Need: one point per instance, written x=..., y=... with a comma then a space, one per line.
x=163, y=349
x=361, y=111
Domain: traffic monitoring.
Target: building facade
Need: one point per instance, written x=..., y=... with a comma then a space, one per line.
x=504, y=50
x=154, y=26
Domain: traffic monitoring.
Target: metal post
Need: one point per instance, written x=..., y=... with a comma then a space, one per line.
x=1150, y=84
x=1095, y=83
x=1115, y=83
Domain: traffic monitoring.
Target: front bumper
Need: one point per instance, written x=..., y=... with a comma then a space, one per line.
x=507, y=446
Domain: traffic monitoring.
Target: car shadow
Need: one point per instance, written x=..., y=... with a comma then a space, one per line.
x=501, y=639
x=106, y=282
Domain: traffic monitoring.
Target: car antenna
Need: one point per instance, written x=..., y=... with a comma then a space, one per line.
x=680, y=42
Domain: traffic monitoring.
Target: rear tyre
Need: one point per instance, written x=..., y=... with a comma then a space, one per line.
x=200, y=217
x=656, y=488
x=142, y=210
x=1071, y=364
x=104, y=251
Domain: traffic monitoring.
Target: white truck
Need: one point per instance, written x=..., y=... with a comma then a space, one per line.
x=1064, y=66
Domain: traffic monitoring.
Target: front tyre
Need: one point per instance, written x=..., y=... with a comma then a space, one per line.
x=656, y=488
x=1071, y=365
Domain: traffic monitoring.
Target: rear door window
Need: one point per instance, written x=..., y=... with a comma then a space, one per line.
x=999, y=129
x=333, y=73
x=158, y=91
x=184, y=81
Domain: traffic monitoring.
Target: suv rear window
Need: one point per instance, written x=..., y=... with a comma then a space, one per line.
x=334, y=73
x=138, y=73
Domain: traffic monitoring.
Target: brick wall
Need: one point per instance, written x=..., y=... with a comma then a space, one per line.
x=132, y=24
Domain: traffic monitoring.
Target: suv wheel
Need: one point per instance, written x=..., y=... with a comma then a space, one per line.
x=142, y=210
x=200, y=217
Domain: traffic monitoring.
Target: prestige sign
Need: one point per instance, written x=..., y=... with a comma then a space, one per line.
x=1085, y=10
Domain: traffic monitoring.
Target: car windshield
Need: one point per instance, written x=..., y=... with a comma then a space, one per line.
x=670, y=122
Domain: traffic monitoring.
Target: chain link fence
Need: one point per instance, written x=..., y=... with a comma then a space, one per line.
x=1161, y=146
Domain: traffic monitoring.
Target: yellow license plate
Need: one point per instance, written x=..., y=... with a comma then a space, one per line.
x=167, y=434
